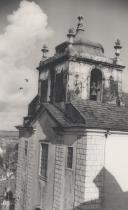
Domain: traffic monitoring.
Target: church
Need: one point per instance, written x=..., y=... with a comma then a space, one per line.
x=74, y=140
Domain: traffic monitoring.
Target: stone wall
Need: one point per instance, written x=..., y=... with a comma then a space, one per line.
x=79, y=81
x=59, y=177
x=31, y=190
x=20, y=182
x=30, y=163
x=89, y=185
x=80, y=170
x=94, y=182
x=82, y=186
x=74, y=81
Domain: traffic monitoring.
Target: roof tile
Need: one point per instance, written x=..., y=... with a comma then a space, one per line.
x=96, y=115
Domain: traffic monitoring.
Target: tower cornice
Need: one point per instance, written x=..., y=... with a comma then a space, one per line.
x=104, y=61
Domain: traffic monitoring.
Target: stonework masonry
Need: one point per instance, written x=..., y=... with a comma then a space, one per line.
x=94, y=164
x=26, y=172
x=29, y=173
x=89, y=163
x=20, y=185
x=80, y=170
x=59, y=177
x=79, y=79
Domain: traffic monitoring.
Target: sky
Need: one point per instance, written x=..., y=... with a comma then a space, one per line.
x=26, y=25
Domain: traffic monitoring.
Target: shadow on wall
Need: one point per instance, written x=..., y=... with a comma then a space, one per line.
x=114, y=197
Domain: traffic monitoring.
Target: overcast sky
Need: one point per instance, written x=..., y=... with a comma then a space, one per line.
x=27, y=25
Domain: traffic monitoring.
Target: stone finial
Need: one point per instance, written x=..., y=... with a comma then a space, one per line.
x=117, y=47
x=80, y=26
x=71, y=35
x=45, y=51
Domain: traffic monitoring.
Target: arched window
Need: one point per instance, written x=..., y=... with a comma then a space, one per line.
x=60, y=86
x=96, y=85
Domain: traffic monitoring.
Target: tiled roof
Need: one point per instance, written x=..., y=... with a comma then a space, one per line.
x=96, y=115
x=80, y=46
x=103, y=116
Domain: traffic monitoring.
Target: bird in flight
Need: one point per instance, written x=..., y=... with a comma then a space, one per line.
x=26, y=80
x=20, y=88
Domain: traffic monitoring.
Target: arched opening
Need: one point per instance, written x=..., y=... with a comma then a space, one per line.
x=96, y=85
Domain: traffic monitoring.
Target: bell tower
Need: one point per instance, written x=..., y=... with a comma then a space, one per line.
x=79, y=69
x=72, y=124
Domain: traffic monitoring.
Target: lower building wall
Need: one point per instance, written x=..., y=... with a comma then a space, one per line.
x=32, y=190
x=116, y=173
x=97, y=180
x=40, y=189
x=82, y=187
x=84, y=183
x=106, y=171
x=25, y=173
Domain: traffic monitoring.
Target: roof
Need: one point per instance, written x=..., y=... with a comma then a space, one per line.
x=102, y=115
x=78, y=48
x=57, y=114
x=82, y=45
x=95, y=115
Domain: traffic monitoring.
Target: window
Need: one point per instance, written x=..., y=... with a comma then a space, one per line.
x=26, y=148
x=43, y=160
x=70, y=157
x=96, y=85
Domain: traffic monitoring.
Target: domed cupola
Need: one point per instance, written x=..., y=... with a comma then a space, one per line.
x=79, y=69
x=82, y=45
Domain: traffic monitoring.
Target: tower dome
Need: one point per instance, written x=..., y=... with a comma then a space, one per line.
x=80, y=44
